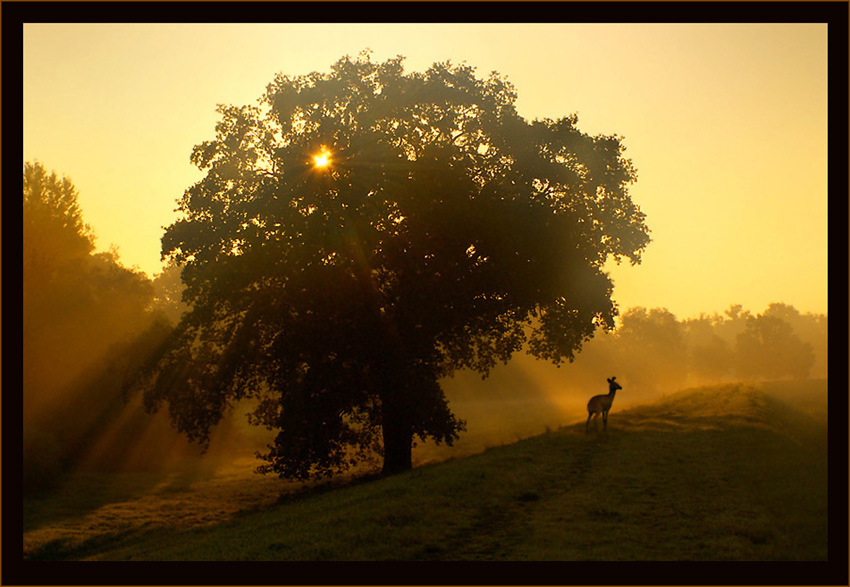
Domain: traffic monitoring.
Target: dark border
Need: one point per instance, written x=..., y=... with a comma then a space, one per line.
x=14, y=571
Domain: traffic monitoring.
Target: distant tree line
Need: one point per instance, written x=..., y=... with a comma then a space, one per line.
x=659, y=353
x=86, y=319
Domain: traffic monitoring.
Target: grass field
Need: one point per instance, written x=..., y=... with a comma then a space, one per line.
x=733, y=472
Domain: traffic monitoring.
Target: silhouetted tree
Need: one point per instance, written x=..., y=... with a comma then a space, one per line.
x=168, y=293
x=769, y=348
x=54, y=231
x=712, y=360
x=810, y=328
x=655, y=351
x=439, y=231
x=734, y=323
x=77, y=304
x=711, y=357
x=651, y=348
x=56, y=246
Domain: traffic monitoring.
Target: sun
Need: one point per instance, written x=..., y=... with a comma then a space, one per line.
x=322, y=159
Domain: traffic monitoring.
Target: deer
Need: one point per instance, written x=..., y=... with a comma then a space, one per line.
x=600, y=404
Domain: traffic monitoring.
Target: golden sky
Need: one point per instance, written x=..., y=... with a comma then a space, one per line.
x=726, y=125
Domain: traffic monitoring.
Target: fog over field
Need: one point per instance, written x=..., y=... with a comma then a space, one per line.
x=652, y=354
x=683, y=469
x=265, y=262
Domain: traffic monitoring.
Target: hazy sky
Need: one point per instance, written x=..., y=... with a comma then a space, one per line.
x=726, y=125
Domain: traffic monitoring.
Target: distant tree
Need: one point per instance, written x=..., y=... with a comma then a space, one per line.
x=651, y=347
x=56, y=244
x=711, y=356
x=769, y=349
x=360, y=234
x=54, y=230
x=712, y=360
x=77, y=304
x=734, y=324
x=810, y=328
x=56, y=241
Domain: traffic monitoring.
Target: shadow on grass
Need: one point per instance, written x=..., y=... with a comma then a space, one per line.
x=81, y=493
x=64, y=549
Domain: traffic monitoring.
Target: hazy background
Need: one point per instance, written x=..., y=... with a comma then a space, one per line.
x=726, y=124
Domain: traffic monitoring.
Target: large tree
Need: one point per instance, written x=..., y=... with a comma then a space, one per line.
x=361, y=234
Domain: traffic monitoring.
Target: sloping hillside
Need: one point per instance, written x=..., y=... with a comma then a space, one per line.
x=719, y=473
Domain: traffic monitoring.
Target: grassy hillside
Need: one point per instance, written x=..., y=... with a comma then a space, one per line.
x=732, y=472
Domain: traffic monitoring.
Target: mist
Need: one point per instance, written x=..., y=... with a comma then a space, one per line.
x=90, y=322
x=651, y=352
x=76, y=417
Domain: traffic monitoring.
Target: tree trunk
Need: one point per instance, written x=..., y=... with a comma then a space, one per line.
x=398, y=441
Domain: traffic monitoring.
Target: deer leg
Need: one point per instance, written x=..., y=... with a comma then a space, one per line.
x=605, y=419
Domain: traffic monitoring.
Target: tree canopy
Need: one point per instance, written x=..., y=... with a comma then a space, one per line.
x=54, y=232
x=438, y=231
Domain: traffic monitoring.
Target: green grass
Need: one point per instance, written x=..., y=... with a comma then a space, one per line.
x=723, y=473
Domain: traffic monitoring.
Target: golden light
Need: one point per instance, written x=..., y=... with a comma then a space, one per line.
x=323, y=159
